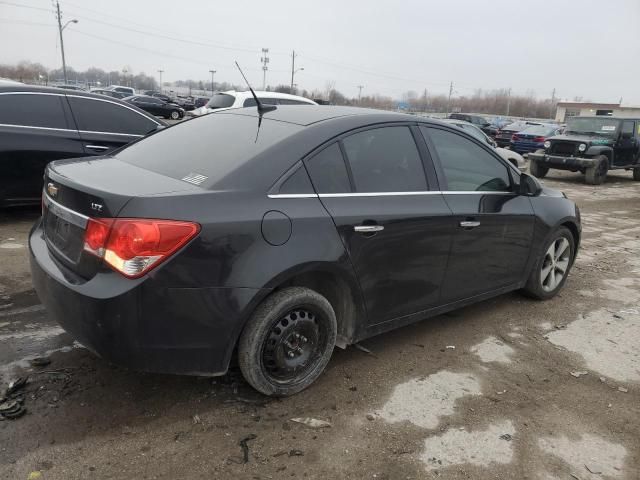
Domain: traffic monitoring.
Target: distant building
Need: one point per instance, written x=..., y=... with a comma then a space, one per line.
x=565, y=110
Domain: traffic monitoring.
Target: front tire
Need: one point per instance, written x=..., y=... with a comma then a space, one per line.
x=287, y=342
x=596, y=174
x=537, y=170
x=175, y=115
x=552, y=267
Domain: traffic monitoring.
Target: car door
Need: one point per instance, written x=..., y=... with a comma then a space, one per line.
x=105, y=125
x=627, y=146
x=395, y=229
x=156, y=106
x=35, y=129
x=493, y=226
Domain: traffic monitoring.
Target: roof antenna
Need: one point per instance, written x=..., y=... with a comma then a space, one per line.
x=261, y=108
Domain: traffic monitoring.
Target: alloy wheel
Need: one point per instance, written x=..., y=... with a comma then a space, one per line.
x=555, y=264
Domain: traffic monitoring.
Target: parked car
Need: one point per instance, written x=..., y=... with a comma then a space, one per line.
x=478, y=120
x=200, y=101
x=504, y=134
x=161, y=96
x=532, y=138
x=40, y=124
x=71, y=87
x=157, y=107
x=246, y=232
x=593, y=146
x=233, y=99
x=119, y=88
x=510, y=156
x=110, y=93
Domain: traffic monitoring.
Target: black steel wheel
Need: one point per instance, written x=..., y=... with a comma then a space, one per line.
x=287, y=342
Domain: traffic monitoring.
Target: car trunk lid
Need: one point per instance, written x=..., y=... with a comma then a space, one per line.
x=75, y=191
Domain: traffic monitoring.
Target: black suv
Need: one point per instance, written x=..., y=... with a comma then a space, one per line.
x=40, y=124
x=593, y=146
x=477, y=120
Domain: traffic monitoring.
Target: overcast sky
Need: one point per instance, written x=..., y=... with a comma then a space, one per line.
x=584, y=48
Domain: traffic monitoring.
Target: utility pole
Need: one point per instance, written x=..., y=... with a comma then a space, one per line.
x=360, y=87
x=449, y=100
x=212, y=72
x=265, y=60
x=294, y=70
x=424, y=99
x=160, y=72
x=60, y=29
x=553, y=102
x=508, y=100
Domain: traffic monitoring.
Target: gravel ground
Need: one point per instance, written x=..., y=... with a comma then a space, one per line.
x=532, y=390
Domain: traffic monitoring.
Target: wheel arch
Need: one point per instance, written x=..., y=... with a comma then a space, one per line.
x=338, y=286
x=595, y=150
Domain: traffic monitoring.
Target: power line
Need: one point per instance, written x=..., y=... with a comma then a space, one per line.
x=25, y=22
x=11, y=4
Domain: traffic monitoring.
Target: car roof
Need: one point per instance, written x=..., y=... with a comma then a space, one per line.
x=264, y=93
x=305, y=115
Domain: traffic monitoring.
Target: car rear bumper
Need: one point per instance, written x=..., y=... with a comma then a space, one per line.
x=141, y=324
x=560, y=162
x=526, y=147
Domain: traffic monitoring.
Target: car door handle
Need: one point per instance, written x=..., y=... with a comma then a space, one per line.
x=97, y=147
x=469, y=224
x=368, y=228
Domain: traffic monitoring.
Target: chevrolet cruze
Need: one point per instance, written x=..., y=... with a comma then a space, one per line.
x=276, y=236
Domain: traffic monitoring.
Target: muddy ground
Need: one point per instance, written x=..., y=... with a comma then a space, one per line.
x=502, y=404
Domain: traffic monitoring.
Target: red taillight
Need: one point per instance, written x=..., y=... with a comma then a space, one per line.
x=133, y=246
x=538, y=139
x=515, y=137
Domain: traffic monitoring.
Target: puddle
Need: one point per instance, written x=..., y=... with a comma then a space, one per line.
x=481, y=448
x=590, y=451
x=423, y=401
x=24, y=362
x=608, y=344
x=493, y=350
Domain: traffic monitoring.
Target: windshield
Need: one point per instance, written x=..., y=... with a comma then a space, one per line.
x=221, y=100
x=593, y=126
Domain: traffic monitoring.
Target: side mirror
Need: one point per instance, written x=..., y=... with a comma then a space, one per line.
x=529, y=185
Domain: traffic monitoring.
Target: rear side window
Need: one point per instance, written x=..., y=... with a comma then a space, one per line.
x=468, y=167
x=221, y=100
x=291, y=101
x=251, y=102
x=627, y=127
x=32, y=110
x=328, y=171
x=297, y=183
x=385, y=160
x=100, y=116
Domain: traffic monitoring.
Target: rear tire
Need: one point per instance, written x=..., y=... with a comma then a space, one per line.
x=287, y=342
x=552, y=267
x=537, y=170
x=175, y=115
x=596, y=174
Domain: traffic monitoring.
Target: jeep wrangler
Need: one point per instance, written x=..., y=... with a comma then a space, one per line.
x=593, y=146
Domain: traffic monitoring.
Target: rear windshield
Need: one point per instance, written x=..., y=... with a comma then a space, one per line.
x=207, y=149
x=540, y=130
x=221, y=100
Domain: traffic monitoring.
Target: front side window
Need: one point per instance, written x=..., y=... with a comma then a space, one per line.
x=466, y=166
x=328, y=171
x=32, y=110
x=100, y=116
x=385, y=160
